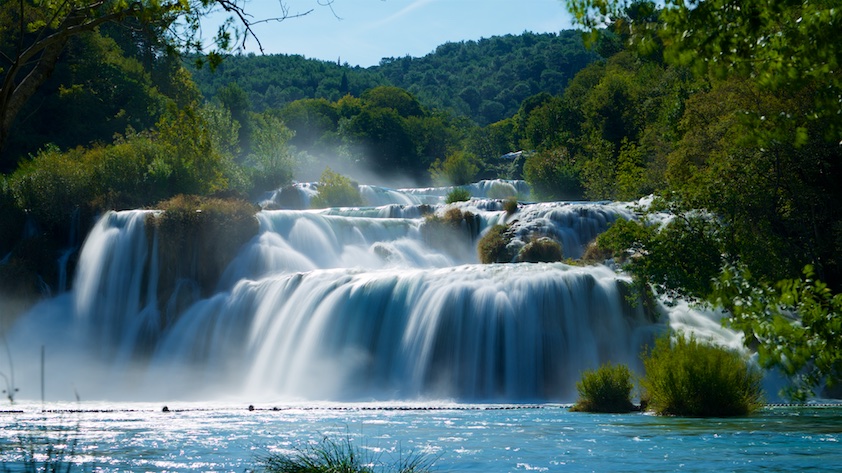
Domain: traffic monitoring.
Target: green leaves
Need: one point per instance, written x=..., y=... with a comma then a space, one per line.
x=336, y=190
x=796, y=324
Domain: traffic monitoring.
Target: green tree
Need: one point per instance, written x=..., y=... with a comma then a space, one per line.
x=336, y=190
x=782, y=46
x=34, y=34
x=384, y=140
x=270, y=163
x=803, y=312
x=311, y=119
x=553, y=175
x=395, y=98
x=457, y=169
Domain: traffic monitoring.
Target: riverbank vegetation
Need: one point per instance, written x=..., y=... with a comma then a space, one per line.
x=689, y=377
x=737, y=131
x=682, y=376
x=335, y=456
x=607, y=389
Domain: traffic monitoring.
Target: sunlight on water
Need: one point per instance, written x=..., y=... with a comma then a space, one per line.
x=459, y=437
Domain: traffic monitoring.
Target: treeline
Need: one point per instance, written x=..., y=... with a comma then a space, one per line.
x=483, y=80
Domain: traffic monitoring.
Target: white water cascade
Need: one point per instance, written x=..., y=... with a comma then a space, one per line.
x=340, y=304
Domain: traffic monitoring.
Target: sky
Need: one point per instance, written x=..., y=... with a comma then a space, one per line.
x=362, y=32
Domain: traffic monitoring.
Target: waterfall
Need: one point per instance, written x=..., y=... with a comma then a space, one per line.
x=343, y=304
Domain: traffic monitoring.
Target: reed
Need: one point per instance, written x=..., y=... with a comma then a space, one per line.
x=332, y=456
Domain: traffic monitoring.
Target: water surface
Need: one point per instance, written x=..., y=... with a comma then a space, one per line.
x=458, y=437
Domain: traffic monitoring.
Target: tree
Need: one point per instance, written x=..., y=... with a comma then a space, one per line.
x=457, y=169
x=553, y=175
x=34, y=34
x=782, y=46
x=803, y=312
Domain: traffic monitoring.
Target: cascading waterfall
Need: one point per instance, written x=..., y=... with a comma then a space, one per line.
x=343, y=304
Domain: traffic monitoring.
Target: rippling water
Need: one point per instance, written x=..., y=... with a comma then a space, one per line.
x=488, y=438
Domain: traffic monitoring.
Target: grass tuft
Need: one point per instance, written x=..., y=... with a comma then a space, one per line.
x=458, y=194
x=330, y=456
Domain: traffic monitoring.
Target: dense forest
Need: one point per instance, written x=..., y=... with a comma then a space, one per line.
x=485, y=80
x=736, y=132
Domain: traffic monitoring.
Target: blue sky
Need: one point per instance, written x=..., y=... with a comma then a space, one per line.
x=361, y=32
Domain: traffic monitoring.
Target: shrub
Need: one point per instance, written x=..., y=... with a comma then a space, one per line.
x=554, y=175
x=52, y=186
x=540, y=250
x=493, y=247
x=685, y=377
x=459, y=168
x=607, y=390
x=595, y=254
x=330, y=456
x=336, y=190
x=458, y=194
x=510, y=205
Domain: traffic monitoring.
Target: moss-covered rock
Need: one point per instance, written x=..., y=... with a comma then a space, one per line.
x=494, y=246
x=540, y=250
x=197, y=239
x=452, y=232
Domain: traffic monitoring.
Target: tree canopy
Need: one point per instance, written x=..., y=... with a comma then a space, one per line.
x=35, y=33
x=746, y=153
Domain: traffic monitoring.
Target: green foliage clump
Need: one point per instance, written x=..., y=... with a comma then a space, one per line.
x=458, y=194
x=553, y=175
x=510, y=205
x=794, y=324
x=330, y=456
x=605, y=390
x=680, y=258
x=452, y=232
x=493, y=247
x=457, y=169
x=198, y=238
x=540, y=250
x=269, y=164
x=52, y=185
x=686, y=377
x=595, y=254
x=336, y=190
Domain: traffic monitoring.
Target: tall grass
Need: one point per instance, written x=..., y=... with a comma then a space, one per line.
x=458, y=194
x=606, y=390
x=330, y=456
x=686, y=377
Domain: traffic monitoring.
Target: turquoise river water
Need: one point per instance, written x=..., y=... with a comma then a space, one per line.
x=456, y=437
